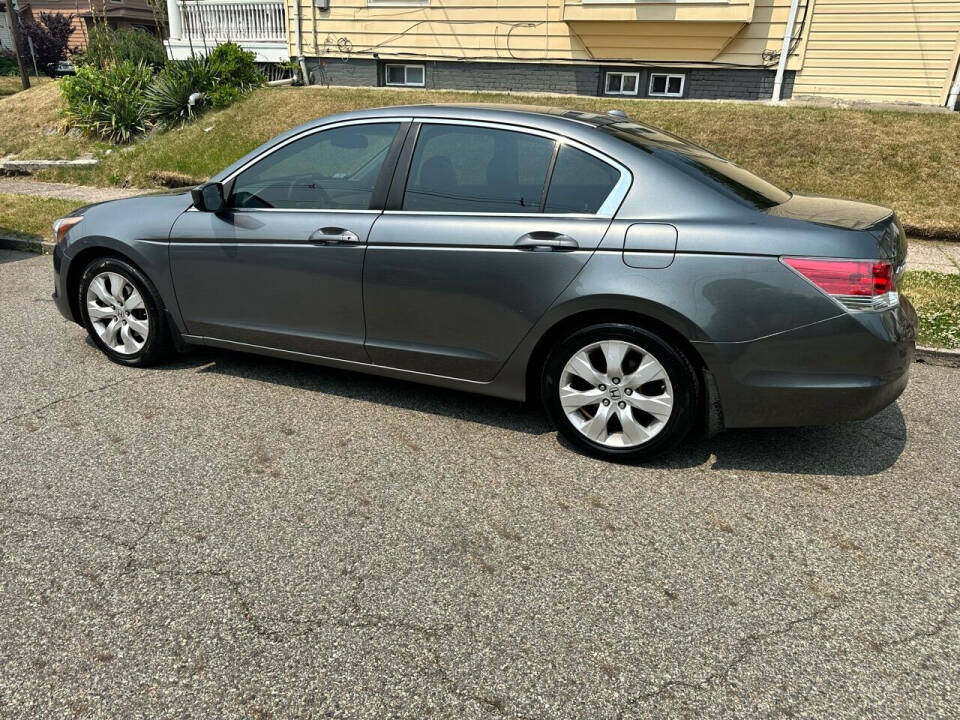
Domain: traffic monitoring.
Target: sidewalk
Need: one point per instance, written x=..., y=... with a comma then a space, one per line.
x=65, y=191
x=933, y=255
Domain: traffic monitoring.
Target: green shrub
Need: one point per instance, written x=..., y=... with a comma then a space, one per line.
x=224, y=96
x=235, y=67
x=119, y=100
x=201, y=73
x=8, y=63
x=106, y=47
x=221, y=77
x=110, y=103
x=168, y=97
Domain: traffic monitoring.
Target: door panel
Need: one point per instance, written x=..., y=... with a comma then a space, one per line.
x=254, y=277
x=284, y=267
x=454, y=295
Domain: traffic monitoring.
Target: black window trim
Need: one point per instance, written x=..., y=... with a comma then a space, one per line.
x=401, y=176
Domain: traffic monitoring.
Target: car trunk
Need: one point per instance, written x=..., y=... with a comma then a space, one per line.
x=879, y=221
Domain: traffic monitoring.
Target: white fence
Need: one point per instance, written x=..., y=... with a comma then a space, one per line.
x=206, y=22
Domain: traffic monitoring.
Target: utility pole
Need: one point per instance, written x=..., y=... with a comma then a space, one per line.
x=18, y=44
x=785, y=51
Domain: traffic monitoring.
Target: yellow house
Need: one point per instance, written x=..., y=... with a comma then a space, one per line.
x=869, y=49
x=883, y=50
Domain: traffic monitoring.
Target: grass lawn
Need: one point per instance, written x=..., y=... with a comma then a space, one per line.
x=907, y=161
x=31, y=217
x=10, y=84
x=937, y=299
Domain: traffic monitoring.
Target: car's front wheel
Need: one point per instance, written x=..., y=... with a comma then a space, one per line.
x=620, y=392
x=122, y=313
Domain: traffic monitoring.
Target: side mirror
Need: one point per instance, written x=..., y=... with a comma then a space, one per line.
x=209, y=197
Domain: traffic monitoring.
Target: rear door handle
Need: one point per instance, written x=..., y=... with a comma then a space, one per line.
x=545, y=241
x=333, y=236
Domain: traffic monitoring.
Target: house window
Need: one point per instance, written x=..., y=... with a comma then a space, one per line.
x=622, y=83
x=409, y=75
x=664, y=85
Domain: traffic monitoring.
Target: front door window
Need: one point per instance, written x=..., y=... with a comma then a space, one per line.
x=334, y=169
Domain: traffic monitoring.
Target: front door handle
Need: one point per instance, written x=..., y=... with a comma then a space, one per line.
x=333, y=236
x=544, y=240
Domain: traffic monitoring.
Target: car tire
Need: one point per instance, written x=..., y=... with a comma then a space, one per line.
x=643, y=406
x=133, y=332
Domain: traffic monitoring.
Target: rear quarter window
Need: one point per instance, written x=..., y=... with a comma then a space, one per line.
x=580, y=182
x=719, y=174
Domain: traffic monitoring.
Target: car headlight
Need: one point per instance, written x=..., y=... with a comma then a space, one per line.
x=61, y=226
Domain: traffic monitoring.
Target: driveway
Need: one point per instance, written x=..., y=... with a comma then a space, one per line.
x=239, y=537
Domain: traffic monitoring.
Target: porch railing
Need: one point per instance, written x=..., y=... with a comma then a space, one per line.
x=235, y=20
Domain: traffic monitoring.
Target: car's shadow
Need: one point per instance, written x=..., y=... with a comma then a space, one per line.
x=857, y=448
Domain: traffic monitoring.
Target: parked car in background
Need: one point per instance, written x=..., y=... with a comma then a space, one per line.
x=636, y=283
x=60, y=68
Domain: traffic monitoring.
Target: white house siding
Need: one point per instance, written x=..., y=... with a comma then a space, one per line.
x=6, y=39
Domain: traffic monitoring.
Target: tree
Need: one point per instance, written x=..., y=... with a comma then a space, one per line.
x=18, y=44
x=49, y=37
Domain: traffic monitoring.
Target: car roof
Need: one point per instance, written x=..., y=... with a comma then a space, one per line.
x=574, y=123
x=465, y=111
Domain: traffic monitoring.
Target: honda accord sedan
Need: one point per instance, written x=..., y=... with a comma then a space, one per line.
x=640, y=286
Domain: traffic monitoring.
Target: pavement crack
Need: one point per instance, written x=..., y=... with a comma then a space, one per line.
x=938, y=627
x=365, y=619
x=76, y=521
x=746, y=649
x=62, y=518
x=233, y=585
x=73, y=396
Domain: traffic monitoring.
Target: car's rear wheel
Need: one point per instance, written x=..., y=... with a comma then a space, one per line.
x=122, y=313
x=620, y=392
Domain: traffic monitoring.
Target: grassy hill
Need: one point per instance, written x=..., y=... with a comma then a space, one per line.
x=898, y=159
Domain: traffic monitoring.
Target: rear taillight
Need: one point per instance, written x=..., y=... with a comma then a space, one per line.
x=855, y=284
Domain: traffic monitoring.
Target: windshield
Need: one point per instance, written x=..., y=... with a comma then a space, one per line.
x=722, y=175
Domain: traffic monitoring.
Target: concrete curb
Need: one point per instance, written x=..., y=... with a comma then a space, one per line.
x=20, y=167
x=931, y=356
x=940, y=236
x=938, y=356
x=30, y=245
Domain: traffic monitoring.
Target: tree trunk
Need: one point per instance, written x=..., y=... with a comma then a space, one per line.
x=18, y=44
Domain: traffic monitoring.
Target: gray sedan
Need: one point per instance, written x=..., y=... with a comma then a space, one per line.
x=640, y=286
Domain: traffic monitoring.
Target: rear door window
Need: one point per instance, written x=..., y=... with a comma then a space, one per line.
x=472, y=169
x=580, y=182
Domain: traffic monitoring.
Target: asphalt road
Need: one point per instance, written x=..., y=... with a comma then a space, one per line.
x=233, y=536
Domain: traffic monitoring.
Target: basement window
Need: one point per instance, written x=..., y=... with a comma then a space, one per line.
x=665, y=85
x=621, y=83
x=408, y=75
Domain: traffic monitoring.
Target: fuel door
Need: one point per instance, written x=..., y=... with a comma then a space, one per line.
x=649, y=245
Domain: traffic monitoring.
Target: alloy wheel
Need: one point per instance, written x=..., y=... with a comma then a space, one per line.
x=118, y=313
x=616, y=393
